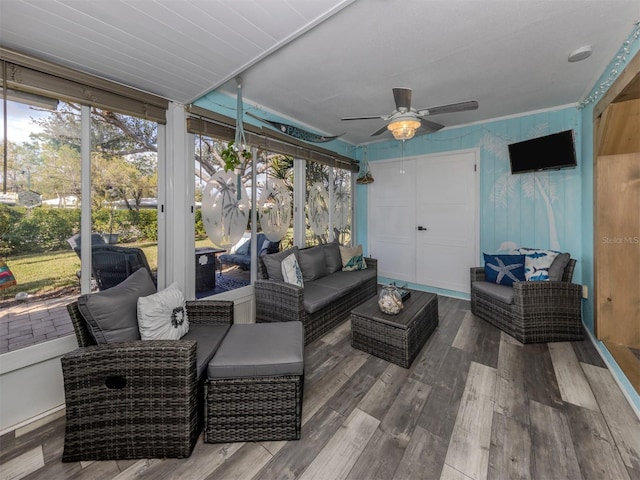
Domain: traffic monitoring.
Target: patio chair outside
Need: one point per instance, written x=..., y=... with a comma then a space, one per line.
x=74, y=241
x=110, y=265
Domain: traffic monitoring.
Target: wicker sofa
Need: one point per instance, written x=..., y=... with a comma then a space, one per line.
x=531, y=312
x=328, y=296
x=139, y=399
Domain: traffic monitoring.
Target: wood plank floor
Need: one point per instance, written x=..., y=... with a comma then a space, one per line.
x=475, y=404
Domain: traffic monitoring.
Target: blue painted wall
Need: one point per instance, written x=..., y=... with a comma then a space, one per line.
x=539, y=210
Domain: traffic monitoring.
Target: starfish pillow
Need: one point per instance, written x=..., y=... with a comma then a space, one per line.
x=504, y=269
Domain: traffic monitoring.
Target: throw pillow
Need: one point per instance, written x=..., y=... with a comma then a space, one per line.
x=352, y=258
x=556, y=270
x=111, y=315
x=273, y=262
x=504, y=269
x=244, y=248
x=312, y=263
x=537, y=263
x=332, y=256
x=291, y=271
x=163, y=315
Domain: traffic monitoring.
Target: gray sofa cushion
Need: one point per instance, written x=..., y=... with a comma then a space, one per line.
x=332, y=256
x=502, y=293
x=345, y=281
x=318, y=296
x=111, y=315
x=312, y=263
x=556, y=270
x=273, y=262
x=208, y=338
x=260, y=350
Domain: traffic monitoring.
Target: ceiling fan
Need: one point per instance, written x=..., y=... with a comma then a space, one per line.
x=404, y=120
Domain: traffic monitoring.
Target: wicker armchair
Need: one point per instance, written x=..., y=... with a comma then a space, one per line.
x=140, y=399
x=539, y=312
x=110, y=264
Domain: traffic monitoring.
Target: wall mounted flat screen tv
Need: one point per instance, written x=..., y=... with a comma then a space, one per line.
x=551, y=152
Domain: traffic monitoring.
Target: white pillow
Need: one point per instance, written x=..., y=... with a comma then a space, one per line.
x=537, y=262
x=163, y=315
x=291, y=272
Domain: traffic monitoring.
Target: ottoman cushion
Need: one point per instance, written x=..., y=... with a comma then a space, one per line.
x=260, y=350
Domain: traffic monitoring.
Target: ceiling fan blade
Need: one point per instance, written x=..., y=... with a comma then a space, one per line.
x=428, y=126
x=371, y=117
x=379, y=132
x=402, y=96
x=450, y=108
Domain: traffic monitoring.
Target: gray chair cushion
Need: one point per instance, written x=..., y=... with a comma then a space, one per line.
x=312, y=263
x=111, y=315
x=502, y=293
x=260, y=350
x=318, y=296
x=332, y=256
x=209, y=338
x=556, y=270
x=273, y=262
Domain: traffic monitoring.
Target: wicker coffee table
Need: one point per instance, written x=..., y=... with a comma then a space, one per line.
x=395, y=338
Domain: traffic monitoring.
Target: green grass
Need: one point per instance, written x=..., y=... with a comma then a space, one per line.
x=42, y=273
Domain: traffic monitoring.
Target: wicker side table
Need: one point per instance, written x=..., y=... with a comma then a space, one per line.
x=395, y=338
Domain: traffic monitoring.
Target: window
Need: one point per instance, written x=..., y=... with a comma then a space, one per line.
x=46, y=157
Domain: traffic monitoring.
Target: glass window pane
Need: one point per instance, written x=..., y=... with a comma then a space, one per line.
x=317, y=204
x=124, y=187
x=342, y=206
x=38, y=212
x=275, y=199
x=223, y=223
x=38, y=199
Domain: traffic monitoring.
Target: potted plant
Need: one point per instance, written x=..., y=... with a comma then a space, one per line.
x=231, y=157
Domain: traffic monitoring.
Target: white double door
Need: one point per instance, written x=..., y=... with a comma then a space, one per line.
x=423, y=218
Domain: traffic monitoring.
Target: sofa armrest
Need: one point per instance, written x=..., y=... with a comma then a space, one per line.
x=211, y=312
x=275, y=299
x=371, y=263
x=541, y=296
x=477, y=274
x=129, y=370
x=140, y=354
x=131, y=400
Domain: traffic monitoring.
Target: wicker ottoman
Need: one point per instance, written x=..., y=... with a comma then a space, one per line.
x=395, y=338
x=254, y=387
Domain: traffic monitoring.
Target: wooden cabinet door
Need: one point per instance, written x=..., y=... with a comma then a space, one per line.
x=617, y=249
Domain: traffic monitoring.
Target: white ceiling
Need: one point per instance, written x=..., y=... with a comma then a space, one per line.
x=315, y=61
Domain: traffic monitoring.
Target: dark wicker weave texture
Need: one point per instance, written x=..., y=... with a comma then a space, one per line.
x=283, y=302
x=135, y=399
x=253, y=409
x=540, y=312
x=399, y=344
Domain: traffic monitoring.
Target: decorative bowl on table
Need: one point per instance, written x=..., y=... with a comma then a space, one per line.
x=389, y=300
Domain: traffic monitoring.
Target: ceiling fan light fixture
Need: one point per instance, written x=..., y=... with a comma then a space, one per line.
x=404, y=128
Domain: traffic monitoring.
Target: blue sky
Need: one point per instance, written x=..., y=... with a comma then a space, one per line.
x=20, y=123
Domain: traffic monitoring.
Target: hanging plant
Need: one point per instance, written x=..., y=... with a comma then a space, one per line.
x=231, y=158
x=365, y=176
